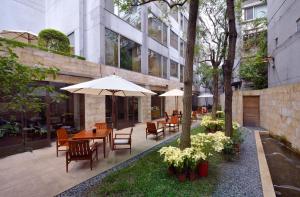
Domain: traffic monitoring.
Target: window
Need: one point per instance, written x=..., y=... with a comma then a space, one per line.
x=111, y=48
x=130, y=55
x=157, y=29
x=182, y=48
x=248, y=13
x=181, y=21
x=128, y=52
x=174, y=69
x=165, y=67
x=157, y=64
x=181, y=72
x=131, y=16
x=174, y=40
x=255, y=12
x=298, y=24
x=185, y=24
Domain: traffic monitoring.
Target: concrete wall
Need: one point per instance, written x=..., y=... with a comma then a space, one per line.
x=282, y=16
x=22, y=15
x=73, y=71
x=279, y=110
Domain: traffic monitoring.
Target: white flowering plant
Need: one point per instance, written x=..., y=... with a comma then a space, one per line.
x=212, y=125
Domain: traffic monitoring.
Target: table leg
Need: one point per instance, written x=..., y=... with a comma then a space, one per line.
x=110, y=139
x=104, y=145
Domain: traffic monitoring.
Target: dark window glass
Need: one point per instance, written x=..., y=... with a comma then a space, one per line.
x=154, y=61
x=249, y=13
x=182, y=48
x=111, y=48
x=157, y=29
x=181, y=72
x=173, y=68
x=165, y=67
x=130, y=55
x=174, y=40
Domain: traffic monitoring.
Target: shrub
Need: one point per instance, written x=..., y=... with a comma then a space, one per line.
x=220, y=114
x=212, y=125
x=54, y=40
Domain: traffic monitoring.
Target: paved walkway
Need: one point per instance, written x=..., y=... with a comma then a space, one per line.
x=41, y=173
x=241, y=177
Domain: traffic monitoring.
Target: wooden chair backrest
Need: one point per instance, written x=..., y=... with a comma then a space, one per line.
x=174, y=120
x=175, y=112
x=151, y=127
x=79, y=148
x=194, y=113
x=101, y=125
x=204, y=110
x=166, y=116
x=62, y=136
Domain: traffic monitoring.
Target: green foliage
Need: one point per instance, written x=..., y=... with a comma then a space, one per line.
x=254, y=69
x=148, y=177
x=212, y=125
x=54, y=40
x=17, y=89
x=205, y=73
x=14, y=43
x=220, y=114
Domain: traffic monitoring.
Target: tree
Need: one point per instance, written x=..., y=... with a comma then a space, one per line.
x=228, y=65
x=185, y=140
x=205, y=73
x=213, y=39
x=54, y=40
x=17, y=89
x=254, y=67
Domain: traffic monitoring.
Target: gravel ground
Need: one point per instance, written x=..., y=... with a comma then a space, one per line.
x=241, y=177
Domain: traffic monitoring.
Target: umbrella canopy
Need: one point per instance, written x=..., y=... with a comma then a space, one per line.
x=206, y=95
x=173, y=92
x=110, y=85
x=22, y=36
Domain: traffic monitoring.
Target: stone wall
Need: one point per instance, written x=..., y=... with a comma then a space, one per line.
x=279, y=110
x=72, y=71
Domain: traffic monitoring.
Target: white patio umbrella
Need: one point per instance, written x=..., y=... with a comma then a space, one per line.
x=110, y=85
x=174, y=92
x=206, y=95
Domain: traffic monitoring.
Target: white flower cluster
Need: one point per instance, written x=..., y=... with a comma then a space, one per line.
x=202, y=146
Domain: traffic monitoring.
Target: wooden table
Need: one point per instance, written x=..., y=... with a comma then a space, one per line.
x=99, y=134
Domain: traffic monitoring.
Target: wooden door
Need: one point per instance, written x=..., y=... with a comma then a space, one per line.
x=251, y=113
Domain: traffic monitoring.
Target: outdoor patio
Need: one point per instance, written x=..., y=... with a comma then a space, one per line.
x=41, y=173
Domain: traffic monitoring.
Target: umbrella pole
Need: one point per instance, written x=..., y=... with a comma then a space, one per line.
x=113, y=114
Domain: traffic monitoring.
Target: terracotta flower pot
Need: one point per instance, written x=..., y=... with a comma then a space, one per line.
x=181, y=176
x=203, y=169
x=192, y=175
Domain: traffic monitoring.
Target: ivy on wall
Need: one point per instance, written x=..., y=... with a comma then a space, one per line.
x=54, y=40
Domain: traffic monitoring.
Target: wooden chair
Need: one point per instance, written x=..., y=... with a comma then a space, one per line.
x=102, y=125
x=204, y=110
x=194, y=115
x=174, y=122
x=122, y=139
x=152, y=130
x=62, y=140
x=81, y=150
x=175, y=112
x=166, y=117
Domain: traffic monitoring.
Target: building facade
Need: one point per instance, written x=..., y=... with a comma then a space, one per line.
x=283, y=42
x=143, y=45
x=248, y=28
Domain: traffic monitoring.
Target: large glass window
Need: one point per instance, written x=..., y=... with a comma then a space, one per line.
x=174, y=69
x=165, y=67
x=131, y=16
x=111, y=48
x=157, y=64
x=130, y=55
x=255, y=12
x=181, y=72
x=154, y=61
x=182, y=48
x=157, y=29
x=128, y=51
x=174, y=40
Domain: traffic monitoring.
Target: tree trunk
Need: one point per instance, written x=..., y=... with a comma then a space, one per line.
x=185, y=138
x=215, y=90
x=228, y=67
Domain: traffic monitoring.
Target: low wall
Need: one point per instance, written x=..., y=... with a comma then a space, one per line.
x=279, y=110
